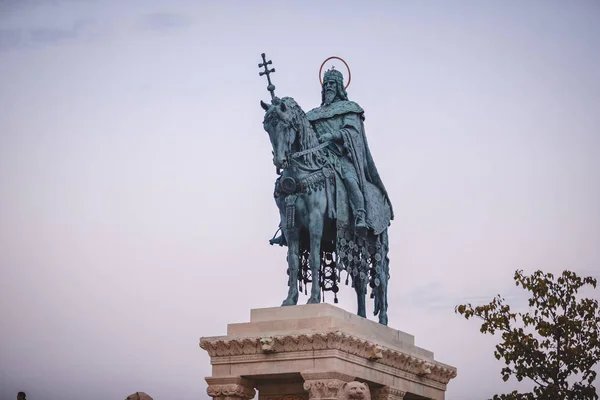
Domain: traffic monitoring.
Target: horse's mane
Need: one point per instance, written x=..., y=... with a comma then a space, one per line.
x=307, y=138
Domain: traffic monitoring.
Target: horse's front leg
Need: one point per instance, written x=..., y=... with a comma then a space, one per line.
x=293, y=257
x=316, y=234
x=360, y=287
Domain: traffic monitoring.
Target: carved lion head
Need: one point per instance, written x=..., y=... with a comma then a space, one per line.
x=355, y=391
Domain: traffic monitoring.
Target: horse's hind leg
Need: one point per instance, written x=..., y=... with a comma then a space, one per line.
x=315, y=230
x=382, y=293
x=315, y=266
x=293, y=266
x=382, y=290
x=360, y=287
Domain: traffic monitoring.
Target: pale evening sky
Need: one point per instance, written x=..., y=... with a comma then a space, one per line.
x=136, y=179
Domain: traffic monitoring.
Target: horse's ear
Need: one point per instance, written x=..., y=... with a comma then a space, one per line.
x=264, y=105
x=282, y=107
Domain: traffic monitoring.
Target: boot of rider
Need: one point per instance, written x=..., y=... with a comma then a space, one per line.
x=357, y=202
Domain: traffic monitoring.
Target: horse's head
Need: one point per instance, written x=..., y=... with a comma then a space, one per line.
x=282, y=126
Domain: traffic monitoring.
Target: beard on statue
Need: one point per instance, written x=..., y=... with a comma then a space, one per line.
x=330, y=96
x=331, y=91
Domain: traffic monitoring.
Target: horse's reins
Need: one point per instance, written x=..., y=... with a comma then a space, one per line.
x=308, y=151
x=299, y=154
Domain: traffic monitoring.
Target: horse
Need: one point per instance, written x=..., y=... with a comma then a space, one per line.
x=304, y=195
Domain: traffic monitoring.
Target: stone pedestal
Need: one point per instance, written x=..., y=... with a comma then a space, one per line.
x=320, y=352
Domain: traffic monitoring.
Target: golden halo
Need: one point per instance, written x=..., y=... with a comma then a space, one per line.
x=345, y=63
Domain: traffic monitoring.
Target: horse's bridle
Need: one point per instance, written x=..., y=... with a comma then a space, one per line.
x=293, y=124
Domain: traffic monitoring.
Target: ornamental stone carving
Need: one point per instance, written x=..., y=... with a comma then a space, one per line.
x=230, y=388
x=424, y=368
x=324, y=385
x=355, y=391
x=230, y=391
x=286, y=397
x=267, y=345
x=323, y=389
x=388, y=393
x=376, y=353
x=333, y=340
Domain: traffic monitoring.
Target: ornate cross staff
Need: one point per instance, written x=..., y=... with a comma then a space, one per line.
x=267, y=71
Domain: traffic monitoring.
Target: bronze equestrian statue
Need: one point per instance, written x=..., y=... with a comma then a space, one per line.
x=334, y=209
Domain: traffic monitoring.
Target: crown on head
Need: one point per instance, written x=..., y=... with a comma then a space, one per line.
x=333, y=74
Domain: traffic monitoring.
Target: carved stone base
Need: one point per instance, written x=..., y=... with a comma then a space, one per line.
x=320, y=351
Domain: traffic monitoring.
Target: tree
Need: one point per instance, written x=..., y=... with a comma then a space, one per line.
x=555, y=344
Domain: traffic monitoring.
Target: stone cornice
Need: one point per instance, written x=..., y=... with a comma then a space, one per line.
x=335, y=340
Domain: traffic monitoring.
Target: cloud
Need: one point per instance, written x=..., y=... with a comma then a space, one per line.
x=163, y=21
x=58, y=35
x=47, y=35
x=13, y=38
x=7, y=6
x=438, y=296
x=10, y=38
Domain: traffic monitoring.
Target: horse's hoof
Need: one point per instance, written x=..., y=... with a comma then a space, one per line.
x=313, y=300
x=290, y=301
x=383, y=320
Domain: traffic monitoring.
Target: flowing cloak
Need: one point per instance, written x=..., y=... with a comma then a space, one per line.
x=346, y=118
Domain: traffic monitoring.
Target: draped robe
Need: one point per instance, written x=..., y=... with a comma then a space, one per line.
x=345, y=118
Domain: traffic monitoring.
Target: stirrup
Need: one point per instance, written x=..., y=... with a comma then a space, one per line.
x=280, y=240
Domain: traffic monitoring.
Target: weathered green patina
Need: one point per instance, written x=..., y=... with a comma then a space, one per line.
x=334, y=208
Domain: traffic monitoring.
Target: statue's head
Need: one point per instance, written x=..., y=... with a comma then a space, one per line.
x=355, y=391
x=333, y=87
x=21, y=396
